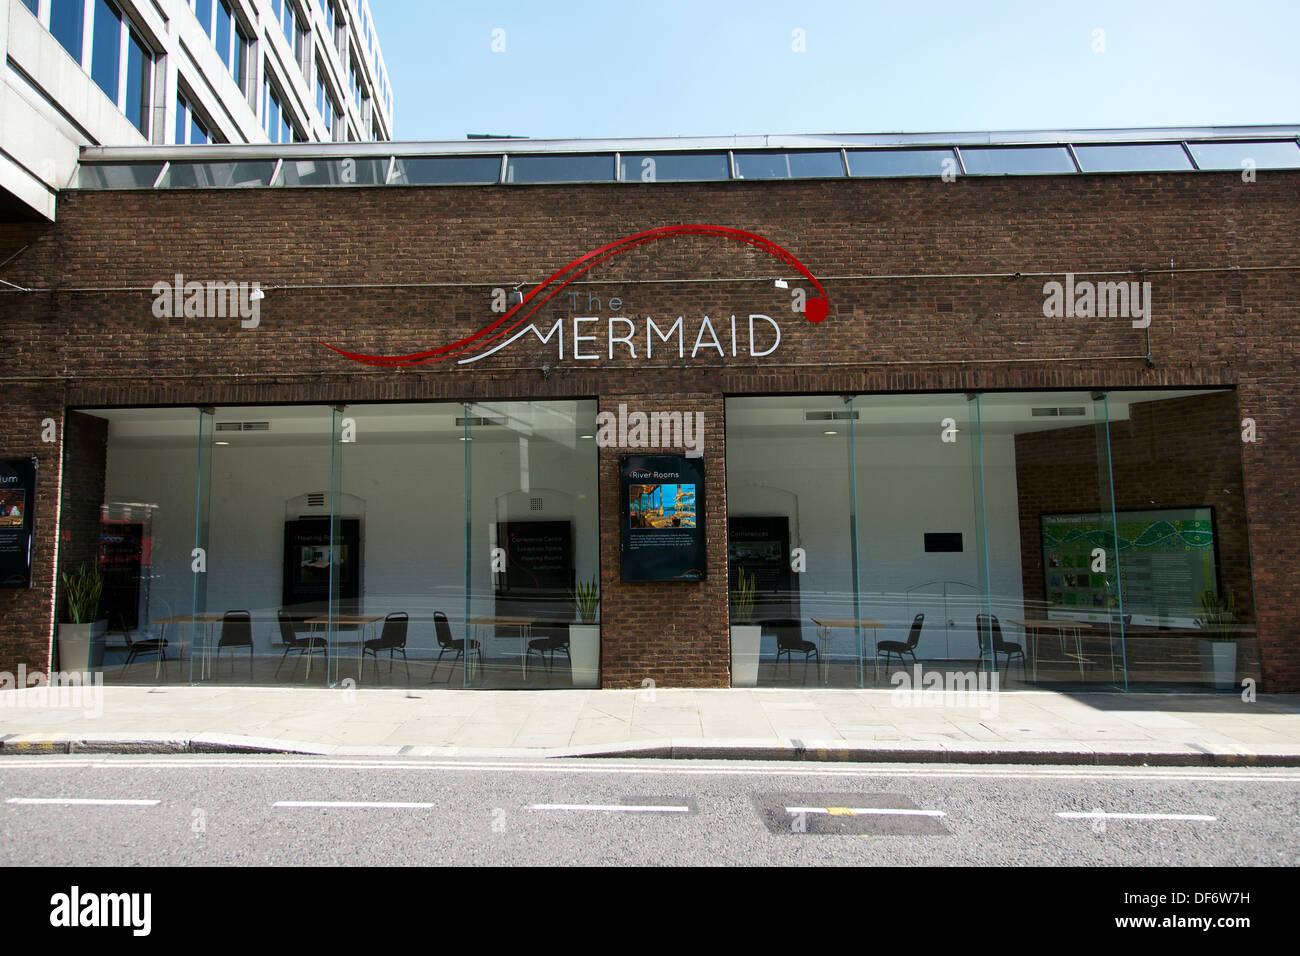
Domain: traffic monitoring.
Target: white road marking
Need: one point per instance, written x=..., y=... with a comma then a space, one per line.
x=869, y=811
x=353, y=804
x=1099, y=815
x=609, y=807
x=81, y=802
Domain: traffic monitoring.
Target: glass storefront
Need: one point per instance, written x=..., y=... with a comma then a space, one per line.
x=1053, y=539
x=1057, y=539
x=365, y=545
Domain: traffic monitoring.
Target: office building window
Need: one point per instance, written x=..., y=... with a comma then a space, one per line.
x=127, y=81
x=31, y=5
x=275, y=116
x=190, y=129
x=139, y=76
x=326, y=103
x=67, y=24
x=106, y=47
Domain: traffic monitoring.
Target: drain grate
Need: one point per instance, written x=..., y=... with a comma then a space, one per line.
x=848, y=814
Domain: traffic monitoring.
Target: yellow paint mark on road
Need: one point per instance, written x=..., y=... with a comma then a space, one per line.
x=840, y=811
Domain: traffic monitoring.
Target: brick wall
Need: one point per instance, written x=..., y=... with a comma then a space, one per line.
x=90, y=337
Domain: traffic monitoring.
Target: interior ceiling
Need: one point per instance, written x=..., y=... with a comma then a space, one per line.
x=567, y=421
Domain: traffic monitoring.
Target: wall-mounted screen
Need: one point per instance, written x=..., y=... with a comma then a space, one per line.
x=17, y=514
x=661, y=511
x=1168, y=558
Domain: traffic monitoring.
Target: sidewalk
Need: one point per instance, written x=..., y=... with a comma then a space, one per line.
x=861, y=725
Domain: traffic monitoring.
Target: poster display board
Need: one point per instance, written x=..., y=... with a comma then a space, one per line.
x=309, y=555
x=761, y=545
x=1167, y=560
x=17, y=521
x=538, y=576
x=661, y=517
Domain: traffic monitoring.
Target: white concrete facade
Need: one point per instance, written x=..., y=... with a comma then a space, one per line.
x=51, y=104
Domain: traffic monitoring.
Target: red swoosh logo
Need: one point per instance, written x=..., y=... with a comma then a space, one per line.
x=815, y=308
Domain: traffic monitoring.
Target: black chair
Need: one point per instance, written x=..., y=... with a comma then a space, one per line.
x=789, y=641
x=392, y=639
x=303, y=645
x=545, y=647
x=990, y=638
x=903, y=647
x=154, y=645
x=442, y=629
x=236, y=631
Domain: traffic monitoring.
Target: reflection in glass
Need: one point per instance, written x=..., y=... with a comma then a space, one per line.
x=1016, y=160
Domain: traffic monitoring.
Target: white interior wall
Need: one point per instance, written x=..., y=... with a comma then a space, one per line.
x=412, y=529
x=906, y=486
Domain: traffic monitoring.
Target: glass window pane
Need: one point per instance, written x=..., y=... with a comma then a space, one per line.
x=673, y=167
x=208, y=175
x=447, y=169
x=182, y=119
x=1282, y=155
x=203, y=11
x=1136, y=158
x=901, y=162
x=222, y=36
x=1016, y=160
x=789, y=165
x=66, y=21
x=345, y=172
x=106, y=51
x=31, y=5
x=198, y=131
x=560, y=169
x=139, y=73
x=119, y=176
x=789, y=485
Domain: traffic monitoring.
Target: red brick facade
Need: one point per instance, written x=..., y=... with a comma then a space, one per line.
x=353, y=266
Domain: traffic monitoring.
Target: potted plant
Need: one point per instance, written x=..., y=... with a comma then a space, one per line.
x=81, y=638
x=584, y=636
x=1218, y=623
x=745, y=635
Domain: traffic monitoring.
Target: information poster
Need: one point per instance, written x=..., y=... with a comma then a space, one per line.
x=539, y=566
x=661, y=514
x=1167, y=560
x=17, y=517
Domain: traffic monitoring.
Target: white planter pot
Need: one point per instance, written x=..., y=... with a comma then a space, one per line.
x=81, y=646
x=745, y=639
x=584, y=654
x=1220, y=662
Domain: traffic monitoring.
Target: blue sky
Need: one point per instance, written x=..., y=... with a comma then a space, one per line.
x=668, y=68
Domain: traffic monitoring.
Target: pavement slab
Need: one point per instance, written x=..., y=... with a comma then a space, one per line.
x=868, y=724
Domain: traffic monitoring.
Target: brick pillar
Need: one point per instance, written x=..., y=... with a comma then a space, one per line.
x=674, y=633
x=1271, y=470
x=27, y=614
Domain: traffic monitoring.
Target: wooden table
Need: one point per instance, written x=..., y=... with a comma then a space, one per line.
x=824, y=625
x=207, y=619
x=523, y=624
x=1062, y=627
x=359, y=621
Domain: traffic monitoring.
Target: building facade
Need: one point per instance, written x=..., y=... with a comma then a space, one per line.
x=177, y=72
x=703, y=413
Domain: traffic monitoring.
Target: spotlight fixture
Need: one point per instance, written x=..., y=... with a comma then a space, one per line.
x=782, y=284
x=256, y=294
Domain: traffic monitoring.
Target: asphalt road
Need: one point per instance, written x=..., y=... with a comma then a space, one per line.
x=252, y=810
